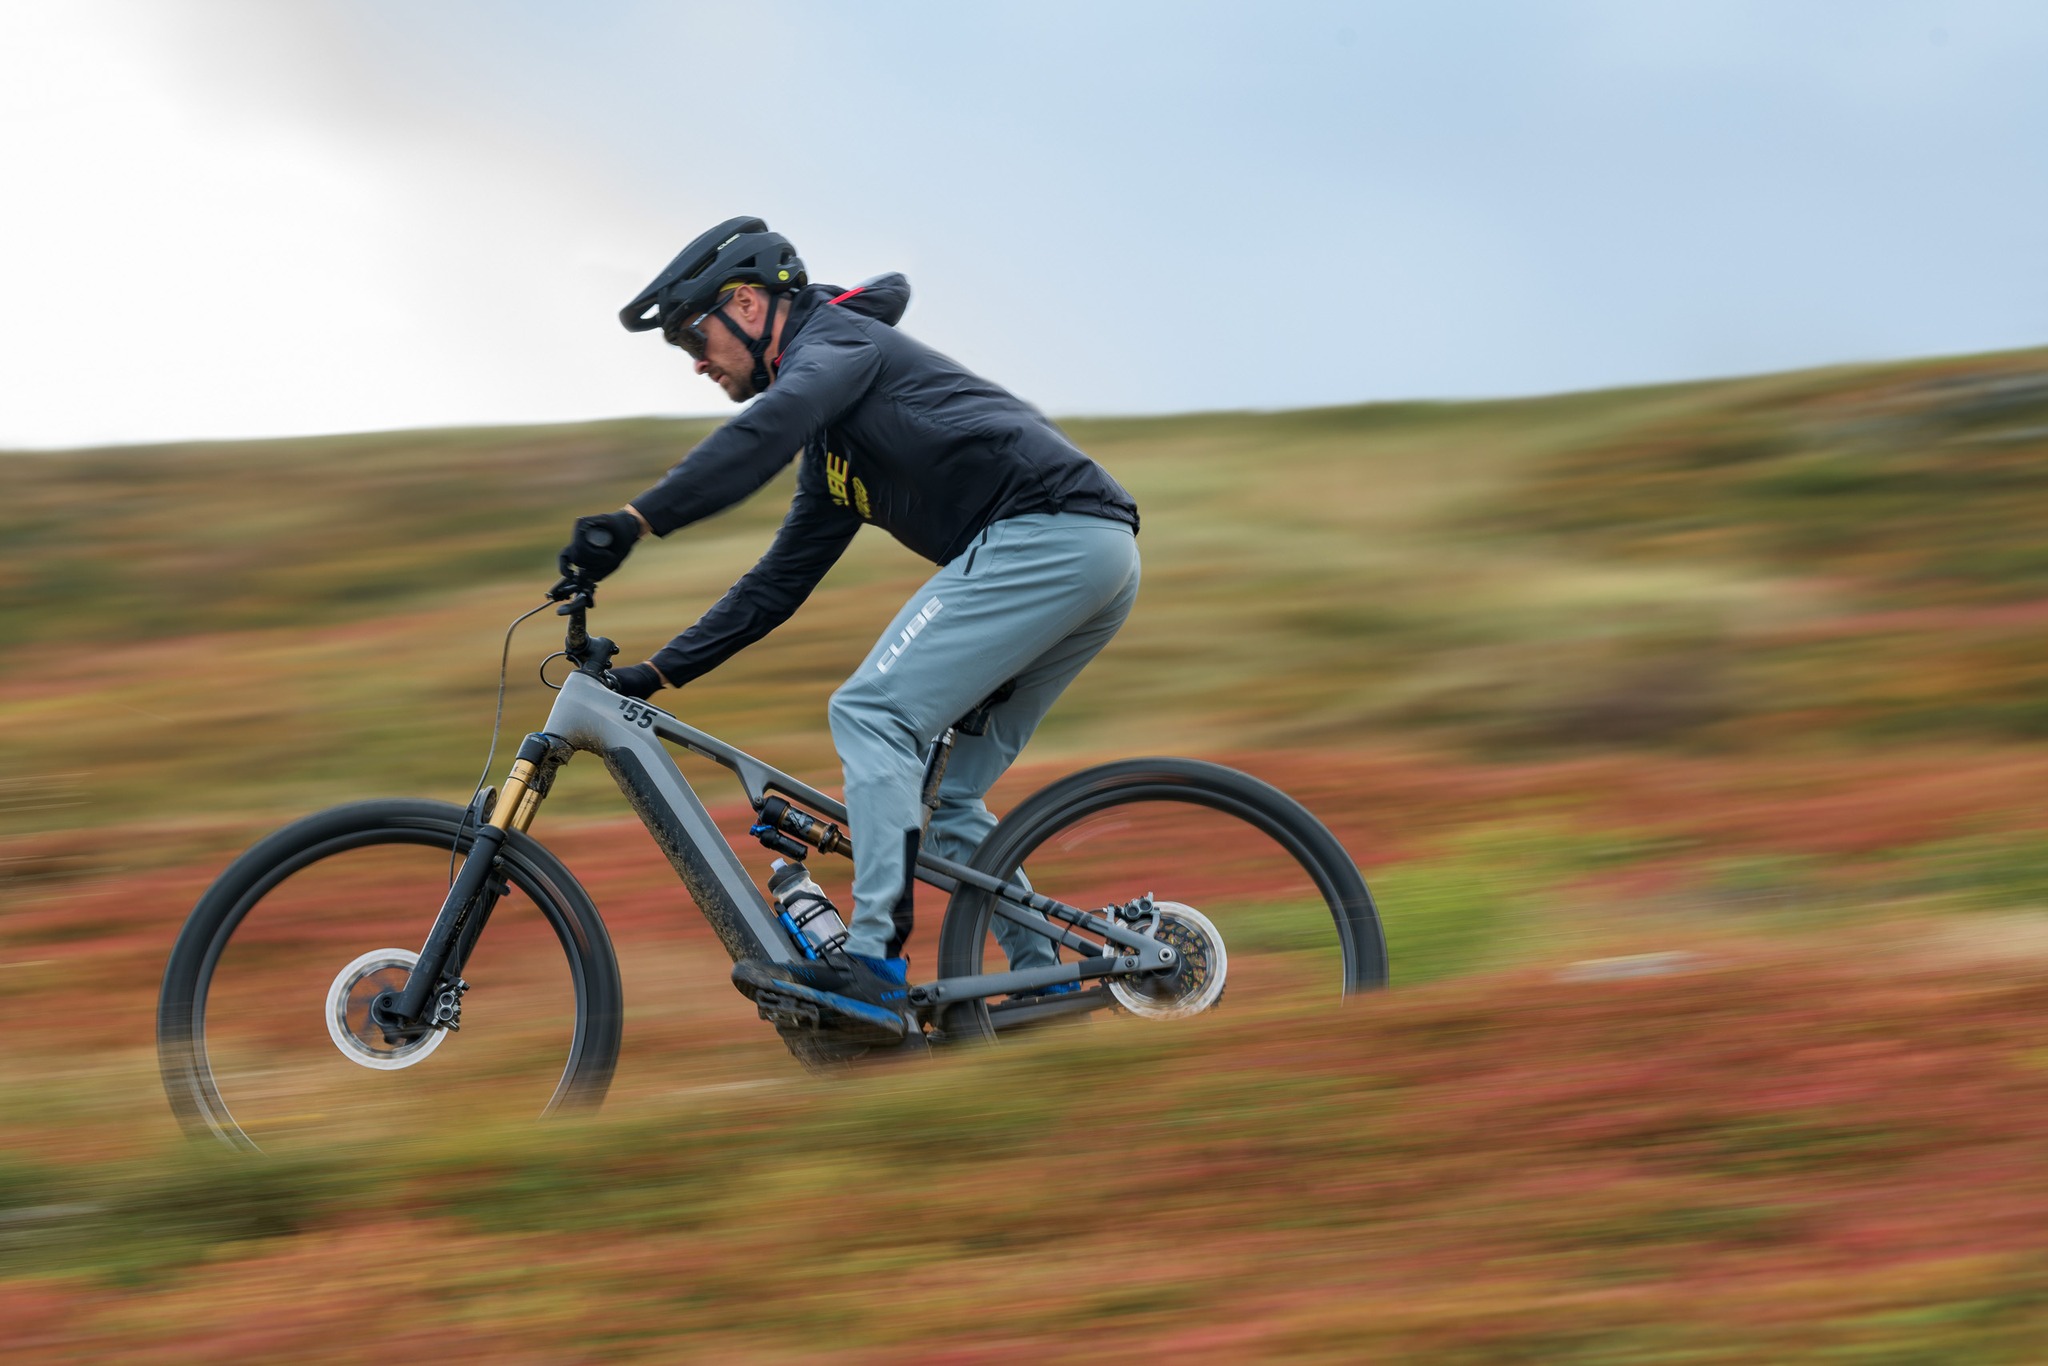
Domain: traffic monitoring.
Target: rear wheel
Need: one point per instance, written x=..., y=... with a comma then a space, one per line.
x=1261, y=902
x=264, y=1029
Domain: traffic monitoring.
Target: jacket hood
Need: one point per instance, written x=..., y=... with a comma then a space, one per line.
x=883, y=297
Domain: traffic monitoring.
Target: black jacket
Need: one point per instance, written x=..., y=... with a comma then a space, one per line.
x=891, y=432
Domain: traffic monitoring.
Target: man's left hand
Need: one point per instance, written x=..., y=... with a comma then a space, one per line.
x=637, y=680
x=600, y=544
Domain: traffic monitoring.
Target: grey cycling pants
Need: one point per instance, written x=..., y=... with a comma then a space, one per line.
x=1033, y=600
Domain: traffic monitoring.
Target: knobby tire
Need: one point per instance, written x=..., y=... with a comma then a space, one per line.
x=1041, y=817
x=188, y=1074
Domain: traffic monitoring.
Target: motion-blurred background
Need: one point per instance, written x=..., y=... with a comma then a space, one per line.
x=1689, y=728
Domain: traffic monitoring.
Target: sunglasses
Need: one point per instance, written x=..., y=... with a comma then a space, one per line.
x=690, y=335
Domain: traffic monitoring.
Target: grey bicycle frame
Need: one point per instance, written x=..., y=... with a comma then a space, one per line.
x=628, y=735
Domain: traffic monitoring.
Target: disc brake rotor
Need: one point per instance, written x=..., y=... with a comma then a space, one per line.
x=348, y=1012
x=1194, y=984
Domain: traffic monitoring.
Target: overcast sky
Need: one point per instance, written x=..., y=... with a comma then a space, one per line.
x=251, y=217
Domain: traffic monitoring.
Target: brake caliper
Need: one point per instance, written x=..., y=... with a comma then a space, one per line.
x=1138, y=911
x=445, y=1011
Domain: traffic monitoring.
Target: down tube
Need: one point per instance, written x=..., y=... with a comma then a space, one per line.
x=593, y=718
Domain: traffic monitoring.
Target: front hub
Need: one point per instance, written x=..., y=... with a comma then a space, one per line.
x=351, y=1021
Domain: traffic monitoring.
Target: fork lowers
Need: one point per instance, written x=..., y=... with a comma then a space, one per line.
x=477, y=887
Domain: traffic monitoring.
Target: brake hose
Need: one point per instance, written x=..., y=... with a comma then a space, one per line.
x=497, y=723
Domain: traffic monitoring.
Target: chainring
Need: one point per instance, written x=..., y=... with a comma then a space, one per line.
x=1194, y=983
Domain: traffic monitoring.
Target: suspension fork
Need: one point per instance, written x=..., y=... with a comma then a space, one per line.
x=480, y=882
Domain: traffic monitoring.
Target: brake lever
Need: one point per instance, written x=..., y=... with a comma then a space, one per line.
x=580, y=594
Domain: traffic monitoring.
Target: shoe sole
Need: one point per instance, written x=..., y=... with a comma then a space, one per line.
x=791, y=1005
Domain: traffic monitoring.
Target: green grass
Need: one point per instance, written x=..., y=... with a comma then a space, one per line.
x=1442, y=919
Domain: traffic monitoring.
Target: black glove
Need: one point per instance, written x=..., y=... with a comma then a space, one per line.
x=636, y=680
x=600, y=544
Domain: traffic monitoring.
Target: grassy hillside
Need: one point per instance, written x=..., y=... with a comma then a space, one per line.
x=1801, y=559
x=1747, y=674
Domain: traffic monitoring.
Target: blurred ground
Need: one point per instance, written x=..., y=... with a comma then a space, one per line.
x=1747, y=672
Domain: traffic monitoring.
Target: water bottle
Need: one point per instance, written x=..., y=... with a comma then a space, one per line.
x=807, y=913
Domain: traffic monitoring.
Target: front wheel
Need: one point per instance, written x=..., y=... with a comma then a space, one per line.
x=265, y=1032
x=1260, y=899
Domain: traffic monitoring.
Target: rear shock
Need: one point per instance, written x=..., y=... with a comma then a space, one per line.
x=794, y=832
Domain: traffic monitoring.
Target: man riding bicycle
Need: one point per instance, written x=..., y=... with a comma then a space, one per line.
x=1036, y=545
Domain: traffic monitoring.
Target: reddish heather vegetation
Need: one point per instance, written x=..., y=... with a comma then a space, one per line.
x=1793, y=1143
x=1777, y=1152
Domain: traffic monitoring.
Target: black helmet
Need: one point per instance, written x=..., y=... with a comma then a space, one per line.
x=739, y=250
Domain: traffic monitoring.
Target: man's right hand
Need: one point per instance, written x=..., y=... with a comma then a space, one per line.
x=637, y=680
x=600, y=543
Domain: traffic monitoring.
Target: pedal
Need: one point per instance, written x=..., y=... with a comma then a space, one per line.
x=786, y=1012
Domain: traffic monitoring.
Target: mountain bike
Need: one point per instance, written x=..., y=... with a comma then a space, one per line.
x=292, y=1003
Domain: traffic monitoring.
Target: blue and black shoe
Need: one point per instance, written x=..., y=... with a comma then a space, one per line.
x=860, y=998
